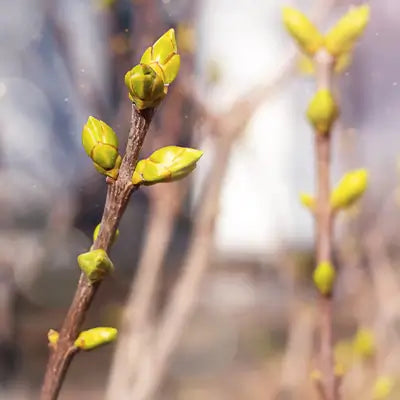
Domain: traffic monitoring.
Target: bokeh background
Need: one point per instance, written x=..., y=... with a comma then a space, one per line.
x=240, y=96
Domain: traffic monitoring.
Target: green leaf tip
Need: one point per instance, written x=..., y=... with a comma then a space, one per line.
x=95, y=264
x=324, y=277
x=100, y=143
x=148, y=81
x=322, y=111
x=343, y=36
x=302, y=30
x=95, y=337
x=163, y=57
x=167, y=164
x=349, y=189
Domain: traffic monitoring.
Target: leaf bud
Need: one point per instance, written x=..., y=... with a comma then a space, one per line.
x=95, y=264
x=322, y=111
x=324, y=277
x=95, y=337
x=167, y=164
x=349, y=189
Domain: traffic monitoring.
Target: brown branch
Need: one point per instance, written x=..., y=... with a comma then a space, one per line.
x=155, y=360
x=323, y=227
x=118, y=194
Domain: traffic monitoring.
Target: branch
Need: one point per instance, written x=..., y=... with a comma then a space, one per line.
x=118, y=194
x=323, y=225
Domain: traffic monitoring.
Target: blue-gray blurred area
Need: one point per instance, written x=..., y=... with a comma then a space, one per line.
x=252, y=333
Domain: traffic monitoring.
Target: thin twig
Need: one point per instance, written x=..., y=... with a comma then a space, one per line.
x=118, y=194
x=323, y=225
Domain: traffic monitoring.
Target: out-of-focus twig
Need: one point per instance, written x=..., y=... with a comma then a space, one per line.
x=323, y=226
x=298, y=349
x=185, y=292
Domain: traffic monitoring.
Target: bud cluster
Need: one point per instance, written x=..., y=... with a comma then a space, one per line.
x=148, y=81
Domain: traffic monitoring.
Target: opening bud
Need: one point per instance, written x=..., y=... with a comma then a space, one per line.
x=163, y=57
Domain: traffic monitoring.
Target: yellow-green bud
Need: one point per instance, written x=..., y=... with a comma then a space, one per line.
x=307, y=200
x=305, y=65
x=364, y=343
x=146, y=87
x=112, y=173
x=342, y=37
x=383, y=388
x=303, y=31
x=165, y=165
x=95, y=264
x=97, y=230
x=95, y=337
x=343, y=62
x=343, y=354
x=316, y=375
x=163, y=57
x=52, y=336
x=349, y=189
x=322, y=111
x=101, y=145
x=324, y=277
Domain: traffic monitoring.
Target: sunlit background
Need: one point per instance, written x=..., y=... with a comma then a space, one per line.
x=252, y=332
